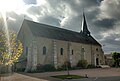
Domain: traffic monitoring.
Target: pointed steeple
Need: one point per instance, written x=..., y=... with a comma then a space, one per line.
x=84, y=29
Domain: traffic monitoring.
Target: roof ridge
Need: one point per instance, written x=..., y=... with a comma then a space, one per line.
x=50, y=26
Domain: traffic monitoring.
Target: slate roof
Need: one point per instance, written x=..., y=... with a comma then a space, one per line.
x=53, y=32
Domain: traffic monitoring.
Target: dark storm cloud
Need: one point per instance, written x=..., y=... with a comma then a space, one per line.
x=109, y=9
x=109, y=48
x=111, y=43
x=50, y=20
x=111, y=39
x=91, y=15
x=105, y=23
x=89, y=3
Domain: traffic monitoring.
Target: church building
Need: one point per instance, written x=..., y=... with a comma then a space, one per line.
x=45, y=44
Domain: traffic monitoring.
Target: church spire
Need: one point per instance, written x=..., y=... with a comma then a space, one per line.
x=84, y=29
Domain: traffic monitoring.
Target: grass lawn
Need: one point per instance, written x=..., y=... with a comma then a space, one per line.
x=68, y=76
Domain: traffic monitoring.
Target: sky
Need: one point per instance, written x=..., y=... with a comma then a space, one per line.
x=102, y=16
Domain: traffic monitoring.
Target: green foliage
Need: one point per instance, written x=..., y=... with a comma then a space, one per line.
x=39, y=67
x=10, y=50
x=44, y=68
x=32, y=71
x=82, y=64
x=116, y=59
x=91, y=66
x=65, y=67
x=48, y=67
x=20, y=69
x=66, y=64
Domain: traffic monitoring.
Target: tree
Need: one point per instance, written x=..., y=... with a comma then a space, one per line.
x=116, y=58
x=10, y=51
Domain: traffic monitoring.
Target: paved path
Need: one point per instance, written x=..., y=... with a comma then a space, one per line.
x=113, y=78
x=20, y=77
x=90, y=73
x=112, y=74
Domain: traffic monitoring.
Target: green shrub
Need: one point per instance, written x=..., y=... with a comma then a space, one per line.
x=33, y=71
x=82, y=64
x=47, y=67
x=91, y=66
x=61, y=69
x=43, y=68
x=66, y=64
x=39, y=67
x=20, y=69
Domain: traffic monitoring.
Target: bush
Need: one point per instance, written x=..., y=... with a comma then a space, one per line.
x=82, y=64
x=66, y=64
x=20, y=69
x=39, y=67
x=32, y=71
x=91, y=66
x=47, y=67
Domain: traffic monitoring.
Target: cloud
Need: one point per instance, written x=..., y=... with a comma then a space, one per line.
x=102, y=17
x=108, y=21
x=33, y=10
x=111, y=42
x=105, y=23
x=110, y=9
x=30, y=1
x=50, y=20
x=14, y=21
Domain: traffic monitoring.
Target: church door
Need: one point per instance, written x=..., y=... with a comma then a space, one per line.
x=97, y=61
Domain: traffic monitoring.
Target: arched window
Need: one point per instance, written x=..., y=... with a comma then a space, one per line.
x=44, y=50
x=61, y=51
x=96, y=49
x=72, y=52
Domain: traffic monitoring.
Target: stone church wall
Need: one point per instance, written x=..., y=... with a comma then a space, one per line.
x=44, y=58
x=48, y=58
